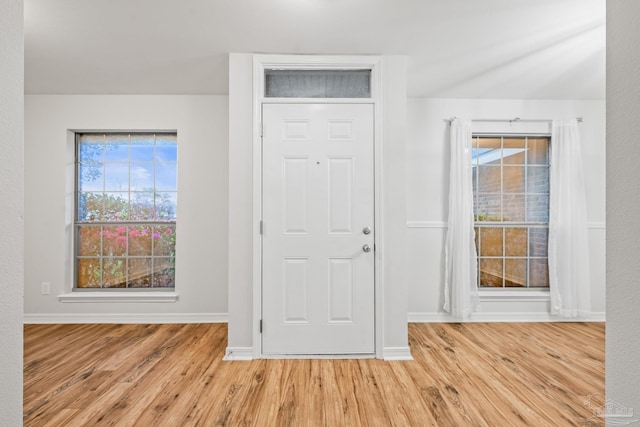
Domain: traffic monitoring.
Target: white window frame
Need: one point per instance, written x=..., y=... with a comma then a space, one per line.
x=73, y=294
x=504, y=292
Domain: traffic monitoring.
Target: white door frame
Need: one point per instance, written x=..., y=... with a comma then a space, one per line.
x=300, y=62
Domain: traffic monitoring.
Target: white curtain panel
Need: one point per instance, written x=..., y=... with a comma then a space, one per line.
x=460, y=280
x=568, y=240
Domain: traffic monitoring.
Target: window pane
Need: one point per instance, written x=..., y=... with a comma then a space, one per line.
x=166, y=148
x=116, y=206
x=538, y=179
x=116, y=176
x=142, y=206
x=538, y=242
x=491, y=272
x=513, y=152
x=318, y=83
x=90, y=206
x=142, y=148
x=114, y=272
x=117, y=148
x=538, y=273
x=139, y=273
x=488, y=207
x=166, y=204
x=485, y=144
x=166, y=177
x=142, y=177
x=490, y=241
x=474, y=179
x=89, y=273
x=513, y=179
x=476, y=237
x=513, y=207
x=89, y=241
x=164, y=240
x=164, y=275
x=90, y=177
x=91, y=148
x=515, y=273
x=114, y=241
x=538, y=153
x=515, y=241
x=489, y=179
x=538, y=208
x=140, y=240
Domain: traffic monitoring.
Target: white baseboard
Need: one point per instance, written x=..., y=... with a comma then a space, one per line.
x=503, y=317
x=320, y=356
x=396, y=353
x=444, y=224
x=389, y=354
x=238, y=353
x=138, y=318
x=431, y=318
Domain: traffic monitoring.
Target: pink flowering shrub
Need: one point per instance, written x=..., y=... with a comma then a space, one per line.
x=125, y=255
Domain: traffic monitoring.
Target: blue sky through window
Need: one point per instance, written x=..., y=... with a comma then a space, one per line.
x=139, y=170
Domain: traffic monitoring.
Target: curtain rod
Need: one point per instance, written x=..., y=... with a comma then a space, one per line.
x=514, y=120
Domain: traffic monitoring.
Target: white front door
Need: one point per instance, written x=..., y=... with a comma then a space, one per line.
x=318, y=237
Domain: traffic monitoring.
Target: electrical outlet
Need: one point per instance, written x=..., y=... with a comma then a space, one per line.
x=46, y=288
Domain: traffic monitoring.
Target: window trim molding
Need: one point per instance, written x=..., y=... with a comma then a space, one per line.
x=501, y=224
x=72, y=294
x=118, y=297
x=524, y=294
x=375, y=63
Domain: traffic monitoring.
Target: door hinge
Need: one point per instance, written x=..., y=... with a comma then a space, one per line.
x=261, y=227
x=260, y=325
x=261, y=130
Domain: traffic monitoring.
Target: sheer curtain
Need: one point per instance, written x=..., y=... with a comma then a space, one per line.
x=460, y=280
x=568, y=241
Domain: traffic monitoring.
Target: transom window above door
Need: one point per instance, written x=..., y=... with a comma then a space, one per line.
x=317, y=83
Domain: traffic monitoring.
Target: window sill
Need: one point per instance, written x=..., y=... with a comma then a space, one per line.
x=118, y=297
x=515, y=295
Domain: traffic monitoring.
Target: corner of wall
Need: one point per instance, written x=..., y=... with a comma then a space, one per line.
x=11, y=209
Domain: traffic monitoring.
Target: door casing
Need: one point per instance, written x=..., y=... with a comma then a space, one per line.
x=301, y=62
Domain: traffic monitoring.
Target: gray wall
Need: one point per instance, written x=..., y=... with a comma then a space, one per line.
x=623, y=204
x=11, y=209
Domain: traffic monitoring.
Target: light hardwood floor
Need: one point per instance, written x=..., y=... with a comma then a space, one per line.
x=472, y=374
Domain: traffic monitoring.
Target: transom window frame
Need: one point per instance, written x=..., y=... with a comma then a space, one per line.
x=153, y=226
x=317, y=83
x=498, y=223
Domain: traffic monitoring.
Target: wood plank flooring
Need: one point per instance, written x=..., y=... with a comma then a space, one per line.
x=472, y=374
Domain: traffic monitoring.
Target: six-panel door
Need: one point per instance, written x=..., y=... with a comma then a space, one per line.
x=318, y=217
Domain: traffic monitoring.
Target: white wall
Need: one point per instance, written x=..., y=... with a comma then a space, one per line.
x=201, y=242
x=11, y=209
x=240, y=201
x=427, y=193
x=414, y=240
x=623, y=205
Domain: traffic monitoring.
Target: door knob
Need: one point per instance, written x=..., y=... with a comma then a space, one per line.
x=366, y=248
x=366, y=230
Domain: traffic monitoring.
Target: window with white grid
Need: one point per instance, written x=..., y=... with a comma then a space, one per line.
x=511, y=210
x=125, y=216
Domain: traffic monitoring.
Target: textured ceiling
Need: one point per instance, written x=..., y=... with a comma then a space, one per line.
x=523, y=49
